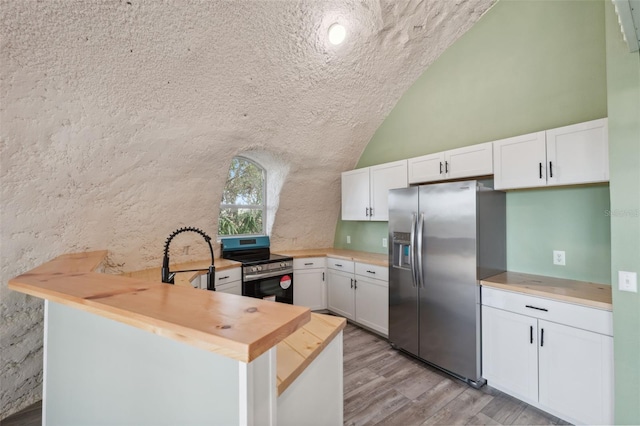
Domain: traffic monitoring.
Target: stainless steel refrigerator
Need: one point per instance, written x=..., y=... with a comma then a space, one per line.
x=444, y=238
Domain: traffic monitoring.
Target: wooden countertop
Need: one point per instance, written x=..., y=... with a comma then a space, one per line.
x=238, y=327
x=580, y=292
x=353, y=255
x=298, y=350
x=183, y=279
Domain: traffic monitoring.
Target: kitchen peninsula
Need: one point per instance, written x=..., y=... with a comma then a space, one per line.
x=123, y=350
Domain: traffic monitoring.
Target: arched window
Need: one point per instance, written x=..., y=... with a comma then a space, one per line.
x=242, y=209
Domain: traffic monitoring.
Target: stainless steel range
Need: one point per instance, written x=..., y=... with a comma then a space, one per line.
x=265, y=275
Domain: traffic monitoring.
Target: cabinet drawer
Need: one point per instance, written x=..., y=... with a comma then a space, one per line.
x=309, y=263
x=340, y=265
x=372, y=271
x=231, y=288
x=587, y=318
x=228, y=275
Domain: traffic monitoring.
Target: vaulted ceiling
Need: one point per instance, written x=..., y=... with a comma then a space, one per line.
x=120, y=118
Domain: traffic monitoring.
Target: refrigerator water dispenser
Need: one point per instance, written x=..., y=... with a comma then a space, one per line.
x=401, y=250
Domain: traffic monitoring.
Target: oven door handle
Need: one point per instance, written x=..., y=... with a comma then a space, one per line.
x=254, y=277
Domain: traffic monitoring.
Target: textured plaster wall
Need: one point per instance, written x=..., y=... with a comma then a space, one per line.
x=119, y=120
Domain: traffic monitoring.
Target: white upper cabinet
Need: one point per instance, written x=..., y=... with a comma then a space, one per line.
x=578, y=153
x=474, y=160
x=355, y=194
x=365, y=191
x=427, y=168
x=567, y=155
x=383, y=178
x=519, y=162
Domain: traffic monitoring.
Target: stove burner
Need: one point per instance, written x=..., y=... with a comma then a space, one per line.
x=256, y=257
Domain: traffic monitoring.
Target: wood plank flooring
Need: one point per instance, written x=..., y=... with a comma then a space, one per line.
x=385, y=387
x=30, y=416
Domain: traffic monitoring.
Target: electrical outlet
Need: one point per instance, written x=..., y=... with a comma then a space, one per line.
x=185, y=250
x=628, y=281
x=384, y=242
x=348, y=239
x=558, y=258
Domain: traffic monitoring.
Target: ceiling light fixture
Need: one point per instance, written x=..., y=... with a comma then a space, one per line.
x=337, y=34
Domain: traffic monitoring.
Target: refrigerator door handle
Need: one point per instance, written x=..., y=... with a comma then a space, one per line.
x=419, y=251
x=412, y=251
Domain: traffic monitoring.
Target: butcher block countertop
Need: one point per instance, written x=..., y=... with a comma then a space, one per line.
x=355, y=256
x=579, y=292
x=183, y=279
x=297, y=351
x=237, y=327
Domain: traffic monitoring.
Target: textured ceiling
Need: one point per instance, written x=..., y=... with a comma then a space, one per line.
x=118, y=121
x=120, y=117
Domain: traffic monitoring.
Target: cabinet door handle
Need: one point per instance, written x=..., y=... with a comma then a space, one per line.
x=441, y=167
x=355, y=284
x=536, y=308
x=540, y=170
x=366, y=211
x=308, y=264
x=338, y=265
x=542, y=337
x=531, y=334
x=371, y=272
x=550, y=169
x=446, y=167
x=323, y=277
x=351, y=282
x=223, y=278
x=371, y=211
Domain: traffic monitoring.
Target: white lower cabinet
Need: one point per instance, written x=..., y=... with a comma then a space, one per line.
x=234, y=287
x=226, y=281
x=310, y=288
x=359, y=292
x=576, y=373
x=341, y=295
x=509, y=352
x=372, y=303
x=565, y=369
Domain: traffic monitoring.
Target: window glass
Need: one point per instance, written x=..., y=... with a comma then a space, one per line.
x=242, y=209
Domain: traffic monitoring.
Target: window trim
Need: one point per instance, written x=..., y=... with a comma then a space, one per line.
x=236, y=207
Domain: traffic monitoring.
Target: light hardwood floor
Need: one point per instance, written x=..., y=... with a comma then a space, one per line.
x=385, y=387
x=30, y=416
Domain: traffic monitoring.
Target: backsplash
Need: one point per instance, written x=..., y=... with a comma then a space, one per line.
x=365, y=236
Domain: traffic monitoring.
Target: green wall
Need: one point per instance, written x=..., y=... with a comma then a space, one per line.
x=570, y=219
x=623, y=87
x=525, y=66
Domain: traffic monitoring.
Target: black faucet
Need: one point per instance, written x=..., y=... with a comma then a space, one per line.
x=168, y=276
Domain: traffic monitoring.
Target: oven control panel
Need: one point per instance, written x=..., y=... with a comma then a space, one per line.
x=264, y=270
